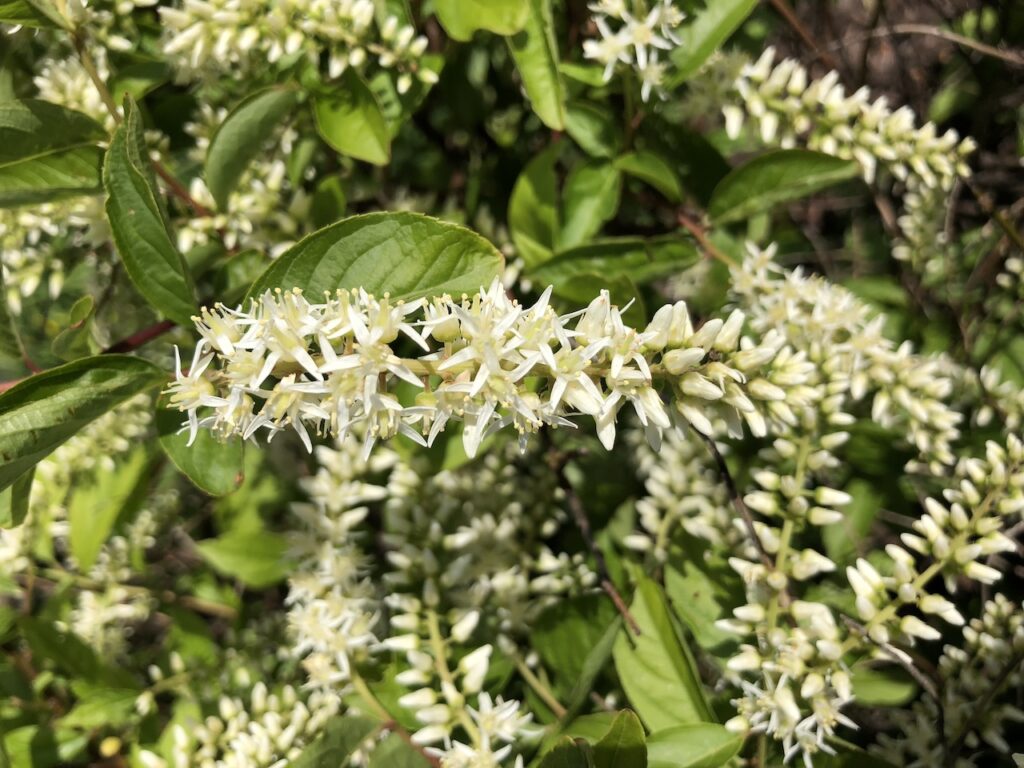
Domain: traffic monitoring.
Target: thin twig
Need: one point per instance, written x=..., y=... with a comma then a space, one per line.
x=786, y=11
x=579, y=514
x=136, y=340
x=737, y=501
x=701, y=237
x=981, y=708
x=900, y=657
x=1009, y=56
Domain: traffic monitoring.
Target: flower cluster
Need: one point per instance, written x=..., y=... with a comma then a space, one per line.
x=464, y=567
x=788, y=108
x=213, y=37
x=989, y=663
x=265, y=211
x=331, y=366
x=636, y=39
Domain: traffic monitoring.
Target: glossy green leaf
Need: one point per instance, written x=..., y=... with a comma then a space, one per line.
x=461, y=18
x=40, y=413
x=592, y=193
x=701, y=592
x=535, y=52
x=137, y=224
x=342, y=736
x=534, y=216
x=10, y=341
x=47, y=153
x=588, y=74
x=594, y=129
x=214, y=466
x=652, y=169
x=888, y=686
x=96, y=504
x=256, y=558
x=776, y=177
x=15, y=499
x=700, y=745
x=705, y=34
x=395, y=752
x=405, y=254
x=568, y=754
x=563, y=629
x=623, y=746
x=102, y=708
x=31, y=13
x=139, y=79
x=74, y=341
x=242, y=137
x=640, y=260
x=349, y=119
x=657, y=671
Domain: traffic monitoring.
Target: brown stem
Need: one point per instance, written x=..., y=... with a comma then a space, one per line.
x=579, y=514
x=700, y=235
x=136, y=340
x=737, y=501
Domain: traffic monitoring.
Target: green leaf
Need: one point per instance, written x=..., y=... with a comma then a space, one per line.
x=256, y=558
x=623, y=746
x=350, y=120
x=776, y=177
x=461, y=18
x=329, y=201
x=102, y=708
x=652, y=169
x=535, y=52
x=588, y=74
x=592, y=194
x=95, y=507
x=14, y=500
x=139, y=79
x=71, y=654
x=40, y=413
x=842, y=540
x=593, y=665
x=242, y=136
x=137, y=224
x=47, y=153
x=342, y=736
x=657, y=671
x=213, y=466
x=563, y=629
x=701, y=593
x=405, y=254
x=640, y=260
x=594, y=129
x=10, y=341
x=700, y=38
x=73, y=342
x=31, y=13
x=533, y=210
x=890, y=686
x=701, y=745
x=394, y=752
x=568, y=754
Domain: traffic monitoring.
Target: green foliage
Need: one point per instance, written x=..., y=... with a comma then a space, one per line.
x=40, y=413
x=240, y=138
x=535, y=51
x=461, y=18
x=404, y=254
x=138, y=225
x=46, y=153
x=656, y=669
x=351, y=121
x=697, y=745
x=255, y=558
x=776, y=177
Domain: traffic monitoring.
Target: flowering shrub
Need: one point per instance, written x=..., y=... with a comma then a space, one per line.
x=493, y=383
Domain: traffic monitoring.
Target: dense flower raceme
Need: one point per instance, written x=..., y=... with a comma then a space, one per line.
x=636, y=37
x=466, y=569
x=327, y=367
x=214, y=37
x=789, y=109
